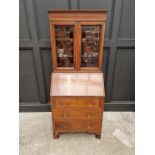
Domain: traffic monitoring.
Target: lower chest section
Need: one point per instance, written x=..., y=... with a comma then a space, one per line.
x=77, y=114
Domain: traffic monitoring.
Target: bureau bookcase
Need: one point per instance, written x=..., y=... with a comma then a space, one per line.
x=77, y=81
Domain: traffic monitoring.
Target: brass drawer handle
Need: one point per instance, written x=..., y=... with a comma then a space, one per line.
x=89, y=126
x=65, y=115
x=90, y=115
x=63, y=104
x=65, y=127
x=90, y=104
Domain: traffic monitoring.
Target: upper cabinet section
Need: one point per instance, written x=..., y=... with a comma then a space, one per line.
x=77, y=39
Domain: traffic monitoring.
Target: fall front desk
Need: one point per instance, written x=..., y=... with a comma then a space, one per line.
x=77, y=83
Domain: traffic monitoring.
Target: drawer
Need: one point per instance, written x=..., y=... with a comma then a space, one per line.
x=78, y=125
x=78, y=114
x=74, y=102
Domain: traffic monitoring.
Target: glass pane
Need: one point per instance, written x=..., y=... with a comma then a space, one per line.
x=90, y=45
x=64, y=45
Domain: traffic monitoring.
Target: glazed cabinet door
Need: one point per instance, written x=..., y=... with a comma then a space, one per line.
x=91, y=40
x=64, y=42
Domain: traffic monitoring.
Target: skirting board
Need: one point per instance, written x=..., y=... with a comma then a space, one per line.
x=111, y=106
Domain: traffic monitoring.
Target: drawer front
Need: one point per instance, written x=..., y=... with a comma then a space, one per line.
x=78, y=114
x=78, y=125
x=74, y=102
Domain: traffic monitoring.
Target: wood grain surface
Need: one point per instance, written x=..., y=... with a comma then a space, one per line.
x=77, y=84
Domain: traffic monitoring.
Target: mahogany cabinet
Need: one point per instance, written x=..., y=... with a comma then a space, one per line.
x=77, y=85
